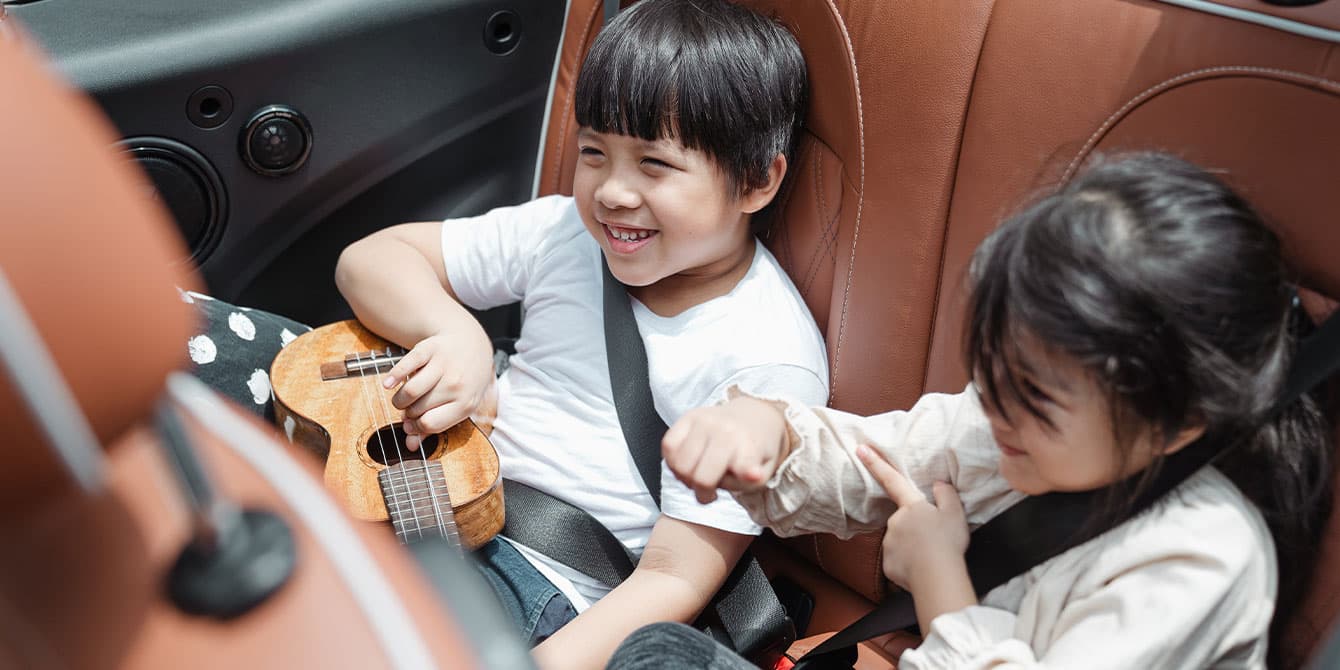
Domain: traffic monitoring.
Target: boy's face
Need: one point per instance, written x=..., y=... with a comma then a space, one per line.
x=658, y=210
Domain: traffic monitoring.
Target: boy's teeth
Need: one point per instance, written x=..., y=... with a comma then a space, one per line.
x=629, y=237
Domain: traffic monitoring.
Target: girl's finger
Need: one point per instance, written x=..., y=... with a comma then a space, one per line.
x=946, y=498
x=674, y=437
x=710, y=470
x=682, y=455
x=745, y=468
x=900, y=490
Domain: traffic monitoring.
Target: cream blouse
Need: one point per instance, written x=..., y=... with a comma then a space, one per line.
x=1189, y=583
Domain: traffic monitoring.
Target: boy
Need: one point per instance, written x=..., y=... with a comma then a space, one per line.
x=688, y=111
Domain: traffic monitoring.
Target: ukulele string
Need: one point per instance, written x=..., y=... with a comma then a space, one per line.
x=423, y=456
x=377, y=421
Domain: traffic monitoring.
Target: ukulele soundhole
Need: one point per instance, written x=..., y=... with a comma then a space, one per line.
x=387, y=446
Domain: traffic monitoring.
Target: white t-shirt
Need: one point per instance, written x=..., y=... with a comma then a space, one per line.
x=557, y=428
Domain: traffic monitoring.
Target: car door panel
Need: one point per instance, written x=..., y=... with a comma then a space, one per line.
x=416, y=108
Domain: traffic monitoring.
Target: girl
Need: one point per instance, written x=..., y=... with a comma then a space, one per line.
x=1139, y=309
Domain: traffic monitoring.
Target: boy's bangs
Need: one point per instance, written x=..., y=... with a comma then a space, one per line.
x=713, y=76
x=635, y=99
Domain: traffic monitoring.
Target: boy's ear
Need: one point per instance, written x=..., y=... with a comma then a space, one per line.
x=755, y=199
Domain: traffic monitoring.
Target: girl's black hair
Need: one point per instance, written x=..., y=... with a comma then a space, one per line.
x=1168, y=289
x=716, y=76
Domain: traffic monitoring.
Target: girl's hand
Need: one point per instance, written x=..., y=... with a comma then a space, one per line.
x=921, y=536
x=736, y=446
x=443, y=381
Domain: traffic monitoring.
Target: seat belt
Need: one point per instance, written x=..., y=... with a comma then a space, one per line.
x=752, y=618
x=1039, y=528
x=745, y=613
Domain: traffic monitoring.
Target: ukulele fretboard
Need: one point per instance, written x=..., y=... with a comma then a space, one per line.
x=417, y=500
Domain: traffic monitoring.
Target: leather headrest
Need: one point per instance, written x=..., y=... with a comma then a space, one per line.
x=88, y=255
x=1271, y=134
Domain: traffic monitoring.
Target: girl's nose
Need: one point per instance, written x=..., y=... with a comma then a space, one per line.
x=615, y=192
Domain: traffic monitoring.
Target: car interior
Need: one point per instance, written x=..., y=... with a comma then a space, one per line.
x=929, y=121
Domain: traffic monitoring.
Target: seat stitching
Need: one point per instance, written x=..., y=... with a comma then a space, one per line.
x=568, y=99
x=814, y=265
x=860, y=204
x=1184, y=78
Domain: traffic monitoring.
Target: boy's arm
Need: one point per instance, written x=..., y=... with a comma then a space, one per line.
x=396, y=282
x=682, y=567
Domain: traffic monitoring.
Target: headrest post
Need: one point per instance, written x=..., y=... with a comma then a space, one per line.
x=38, y=380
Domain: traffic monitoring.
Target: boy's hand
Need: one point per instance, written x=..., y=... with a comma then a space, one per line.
x=921, y=536
x=736, y=446
x=444, y=381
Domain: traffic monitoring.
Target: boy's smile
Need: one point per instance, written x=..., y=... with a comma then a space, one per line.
x=666, y=217
x=626, y=239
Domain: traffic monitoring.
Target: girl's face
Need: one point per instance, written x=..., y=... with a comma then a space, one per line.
x=1079, y=450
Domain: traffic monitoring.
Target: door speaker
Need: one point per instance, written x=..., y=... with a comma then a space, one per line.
x=187, y=185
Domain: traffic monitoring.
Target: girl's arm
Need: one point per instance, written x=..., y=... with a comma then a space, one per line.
x=683, y=565
x=1188, y=588
x=823, y=487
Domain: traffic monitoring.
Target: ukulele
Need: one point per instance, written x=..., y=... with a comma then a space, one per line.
x=329, y=399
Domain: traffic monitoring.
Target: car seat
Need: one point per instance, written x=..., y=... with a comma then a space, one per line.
x=929, y=121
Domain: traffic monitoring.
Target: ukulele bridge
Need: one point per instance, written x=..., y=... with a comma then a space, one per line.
x=363, y=363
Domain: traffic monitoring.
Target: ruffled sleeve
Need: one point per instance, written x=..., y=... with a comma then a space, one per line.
x=822, y=487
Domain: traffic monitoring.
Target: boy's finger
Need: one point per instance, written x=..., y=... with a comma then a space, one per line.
x=402, y=370
x=900, y=490
x=440, y=418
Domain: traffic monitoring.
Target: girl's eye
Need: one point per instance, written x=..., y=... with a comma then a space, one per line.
x=1036, y=393
x=655, y=162
x=590, y=151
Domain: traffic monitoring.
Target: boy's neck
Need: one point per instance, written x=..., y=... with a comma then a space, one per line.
x=674, y=294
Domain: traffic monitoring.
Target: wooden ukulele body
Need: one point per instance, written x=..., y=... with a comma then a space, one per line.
x=342, y=420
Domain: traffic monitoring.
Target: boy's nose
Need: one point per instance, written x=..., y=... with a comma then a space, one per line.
x=615, y=193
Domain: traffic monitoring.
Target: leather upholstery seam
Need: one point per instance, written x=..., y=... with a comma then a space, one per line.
x=1180, y=80
x=827, y=238
x=860, y=203
x=940, y=277
x=568, y=99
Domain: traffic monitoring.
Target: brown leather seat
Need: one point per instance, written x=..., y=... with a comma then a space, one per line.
x=930, y=120
x=82, y=571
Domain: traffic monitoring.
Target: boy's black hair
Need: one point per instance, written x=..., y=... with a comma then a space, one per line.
x=716, y=76
x=1173, y=295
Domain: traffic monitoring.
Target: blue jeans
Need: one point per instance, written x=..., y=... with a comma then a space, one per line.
x=674, y=646
x=537, y=607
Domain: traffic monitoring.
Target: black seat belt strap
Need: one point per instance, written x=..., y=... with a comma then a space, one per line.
x=565, y=533
x=751, y=616
x=1039, y=528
